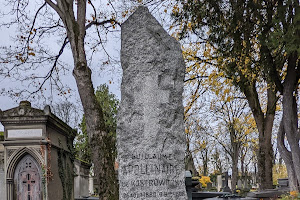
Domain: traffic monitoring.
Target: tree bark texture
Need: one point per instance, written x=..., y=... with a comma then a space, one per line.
x=234, y=156
x=100, y=141
x=264, y=123
x=290, y=115
x=189, y=163
x=287, y=157
x=234, y=174
x=244, y=172
x=205, y=163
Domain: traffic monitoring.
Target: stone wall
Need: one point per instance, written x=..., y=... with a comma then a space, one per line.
x=81, y=179
x=2, y=173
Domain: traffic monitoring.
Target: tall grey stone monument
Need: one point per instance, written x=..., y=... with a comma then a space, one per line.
x=151, y=140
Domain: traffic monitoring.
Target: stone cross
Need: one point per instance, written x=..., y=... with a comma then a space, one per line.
x=226, y=187
x=150, y=133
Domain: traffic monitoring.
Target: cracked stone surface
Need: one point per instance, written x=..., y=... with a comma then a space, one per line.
x=150, y=133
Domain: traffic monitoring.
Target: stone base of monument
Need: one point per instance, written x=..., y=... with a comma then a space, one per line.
x=226, y=189
x=205, y=195
x=283, y=183
x=87, y=198
x=194, y=194
x=267, y=194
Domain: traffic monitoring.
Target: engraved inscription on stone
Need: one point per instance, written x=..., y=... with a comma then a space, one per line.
x=153, y=177
x=24, y=133
x=150, y=132
x=1, y=161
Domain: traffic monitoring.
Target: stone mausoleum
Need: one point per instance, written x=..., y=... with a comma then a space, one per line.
x=36, y=155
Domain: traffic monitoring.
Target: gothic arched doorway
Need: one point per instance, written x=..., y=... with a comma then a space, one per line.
x=27, y=179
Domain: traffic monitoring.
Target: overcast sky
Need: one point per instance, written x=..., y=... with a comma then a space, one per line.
x=109, y=74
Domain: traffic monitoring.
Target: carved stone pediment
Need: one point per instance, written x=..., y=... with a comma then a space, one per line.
x=23, y=110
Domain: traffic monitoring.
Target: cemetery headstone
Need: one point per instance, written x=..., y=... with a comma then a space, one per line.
x=151, y=141
x=219, y=182
x=209, y=186
x=239, y=184
x=226, y=187
x=283, y=182
x=81, y=178
x=188, y=184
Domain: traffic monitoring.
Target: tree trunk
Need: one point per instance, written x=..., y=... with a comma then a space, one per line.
x=234, y=174
x=243, y=170
x=235, y=150
x=290, y=115
x=265, y=156
x=287, y=157
x=205, y=163
x=264, y=123
x=189, y=163
x=100, y=141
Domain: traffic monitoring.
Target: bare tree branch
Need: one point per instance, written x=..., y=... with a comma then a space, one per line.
x=33, y=23
x=96, y=23
x=56, y=8
x=194, y=78
x=49, y=74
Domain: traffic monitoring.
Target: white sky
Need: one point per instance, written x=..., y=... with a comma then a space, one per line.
x=111, y=77
x=99, y=75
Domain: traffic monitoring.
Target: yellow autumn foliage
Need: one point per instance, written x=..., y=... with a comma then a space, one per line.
x=294, y=194
x=279, y=171
x=204, y=180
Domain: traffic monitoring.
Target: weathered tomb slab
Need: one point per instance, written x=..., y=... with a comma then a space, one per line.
x=151, y=140
x=24, y=133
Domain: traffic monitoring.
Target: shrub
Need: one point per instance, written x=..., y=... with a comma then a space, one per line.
x=204, y=180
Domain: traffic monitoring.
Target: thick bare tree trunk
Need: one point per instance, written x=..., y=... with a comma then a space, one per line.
x=100, y=141
x=287, y=157
x=189, y=163
x=243, y=176
x=205, y=161
x=243, y=170
x=234, y=156
x=234, y=173
x=265, y=156
x=290, y=115
x=264, y=123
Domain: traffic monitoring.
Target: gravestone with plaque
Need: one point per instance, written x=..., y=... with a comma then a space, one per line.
x=150, y=133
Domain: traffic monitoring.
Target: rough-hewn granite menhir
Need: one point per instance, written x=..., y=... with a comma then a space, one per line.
x=151, y=140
